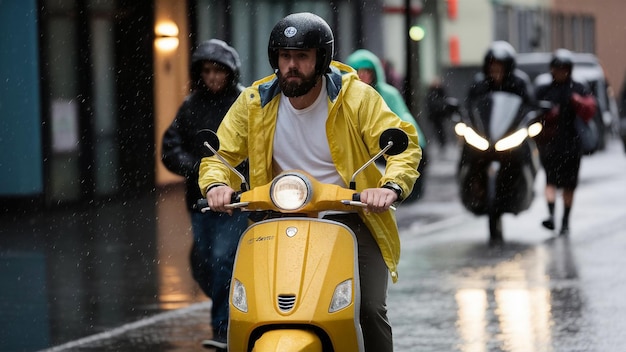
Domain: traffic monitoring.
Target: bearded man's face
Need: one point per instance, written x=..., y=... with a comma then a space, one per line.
x=296, y=71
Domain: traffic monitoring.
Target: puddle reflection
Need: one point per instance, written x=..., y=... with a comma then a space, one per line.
x=511, y=305
x=177, y=288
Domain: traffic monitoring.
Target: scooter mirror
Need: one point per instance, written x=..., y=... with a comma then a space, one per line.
x=399, y=140
x=544, y=105
x=392, y=141
x=209, y=137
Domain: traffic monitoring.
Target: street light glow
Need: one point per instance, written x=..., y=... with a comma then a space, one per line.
x=416, y=33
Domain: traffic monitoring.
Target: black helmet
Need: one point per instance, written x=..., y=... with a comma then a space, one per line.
x=500, y=51
x=562, y=58
x=303, y=31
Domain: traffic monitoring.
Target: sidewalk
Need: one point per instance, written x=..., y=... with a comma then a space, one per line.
x=174, y=331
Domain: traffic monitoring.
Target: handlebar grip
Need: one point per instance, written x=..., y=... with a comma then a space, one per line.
x=201, y=203
x=235, y=197
x=356, y=201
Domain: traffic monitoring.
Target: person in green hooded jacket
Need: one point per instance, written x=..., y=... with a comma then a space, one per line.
x=371, y=71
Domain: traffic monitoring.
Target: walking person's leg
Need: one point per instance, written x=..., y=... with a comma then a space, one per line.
x=568, y=200
x=227, y=231
x=550, y=194
x=569, y=182
x=200, y=256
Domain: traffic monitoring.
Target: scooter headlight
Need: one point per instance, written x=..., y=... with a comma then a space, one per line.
x=290, y=191
x=342, y=297
x=512, y=140
x=239, y=299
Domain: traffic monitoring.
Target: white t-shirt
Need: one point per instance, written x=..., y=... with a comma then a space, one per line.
x=300, y=140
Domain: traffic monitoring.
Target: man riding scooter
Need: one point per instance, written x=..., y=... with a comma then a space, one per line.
x=314, y=114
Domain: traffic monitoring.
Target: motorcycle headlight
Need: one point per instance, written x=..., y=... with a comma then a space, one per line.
x=535, y=129
x=512, y=140
x=474, y=139
x=459, y=129
x=290, y=191
x=342, y=297
x=239, y=299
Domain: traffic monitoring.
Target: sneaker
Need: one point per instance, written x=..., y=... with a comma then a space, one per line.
x=217, y=343
x=564, y=231
x=548, y=224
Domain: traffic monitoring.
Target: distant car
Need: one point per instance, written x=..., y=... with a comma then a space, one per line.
x=587, y=69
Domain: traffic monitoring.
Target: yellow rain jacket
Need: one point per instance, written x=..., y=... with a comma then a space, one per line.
x=357, y=117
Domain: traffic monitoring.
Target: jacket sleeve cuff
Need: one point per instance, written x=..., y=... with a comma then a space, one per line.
x=213, y=185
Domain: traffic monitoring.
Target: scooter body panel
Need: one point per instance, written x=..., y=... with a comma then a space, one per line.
x=290, y=268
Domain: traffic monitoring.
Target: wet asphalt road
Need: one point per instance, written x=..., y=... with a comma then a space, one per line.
x=537, y=293
x=112, y=279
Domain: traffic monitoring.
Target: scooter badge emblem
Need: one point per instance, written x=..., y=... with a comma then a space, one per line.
x=291, y=231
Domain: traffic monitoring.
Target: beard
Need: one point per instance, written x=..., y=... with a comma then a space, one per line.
x=294, y=89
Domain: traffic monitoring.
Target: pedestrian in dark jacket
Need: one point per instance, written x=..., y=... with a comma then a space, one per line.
x=215, y=86
x=559, y=145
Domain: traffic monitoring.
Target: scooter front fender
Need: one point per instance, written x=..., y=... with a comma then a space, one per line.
x=288, y=340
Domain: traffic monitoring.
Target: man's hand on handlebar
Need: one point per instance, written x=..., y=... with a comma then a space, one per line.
x=378, y=200
x=218, y=197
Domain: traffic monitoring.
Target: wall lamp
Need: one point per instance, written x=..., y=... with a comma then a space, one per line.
x=166, y=36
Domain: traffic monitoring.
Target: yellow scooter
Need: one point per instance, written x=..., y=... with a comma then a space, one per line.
x=295, y=284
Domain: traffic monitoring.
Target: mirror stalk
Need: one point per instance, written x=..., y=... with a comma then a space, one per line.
x=244, y=183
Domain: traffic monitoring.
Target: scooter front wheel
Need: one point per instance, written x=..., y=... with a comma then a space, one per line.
x=291, y=340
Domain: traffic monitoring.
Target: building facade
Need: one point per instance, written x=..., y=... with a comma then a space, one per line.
x=89, y=88
x=77, y=114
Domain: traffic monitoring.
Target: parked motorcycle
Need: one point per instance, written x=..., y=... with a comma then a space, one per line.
x=295, y=284
x=499, y=158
